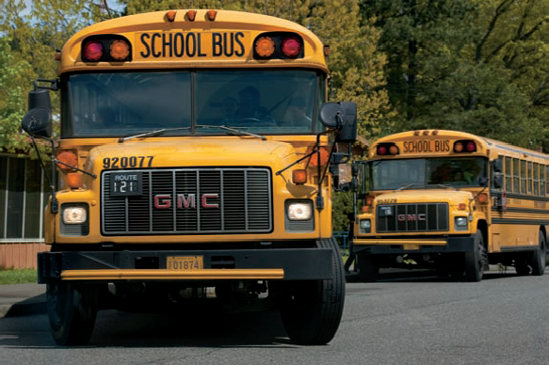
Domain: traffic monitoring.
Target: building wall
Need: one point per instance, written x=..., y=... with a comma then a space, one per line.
x=20, y=255
x=23, y=195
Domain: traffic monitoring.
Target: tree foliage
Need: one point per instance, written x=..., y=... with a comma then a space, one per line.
x=476, y=66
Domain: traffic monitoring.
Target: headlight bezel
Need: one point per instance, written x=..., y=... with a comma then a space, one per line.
x=365, y=226
x=461, y=223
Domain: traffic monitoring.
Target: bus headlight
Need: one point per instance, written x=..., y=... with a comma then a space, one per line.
x=74, y=220
x=300, y=211
x=460, y=223
x=74, y=215
x=365, y=226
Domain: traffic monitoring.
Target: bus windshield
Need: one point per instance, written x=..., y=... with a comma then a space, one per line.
x=258, y=101
x=427, y=173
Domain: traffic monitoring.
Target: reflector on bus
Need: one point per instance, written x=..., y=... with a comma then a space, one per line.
x=285, y=45
x=94, y=49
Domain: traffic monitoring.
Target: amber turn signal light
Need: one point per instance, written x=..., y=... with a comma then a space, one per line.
x=67, y=160
x=74, y=180
x=299, y=177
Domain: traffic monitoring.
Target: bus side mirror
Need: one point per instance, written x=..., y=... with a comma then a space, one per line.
x=38, y=120
x=497, y=180
x=483, y=181
x=497, y=165
x=341, y=116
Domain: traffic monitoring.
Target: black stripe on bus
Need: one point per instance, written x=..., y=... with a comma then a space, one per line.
x=530, y=222
x=523, y=196
x=523, y=210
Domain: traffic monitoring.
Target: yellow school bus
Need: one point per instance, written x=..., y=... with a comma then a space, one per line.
x=453, y=202
x=192, y=171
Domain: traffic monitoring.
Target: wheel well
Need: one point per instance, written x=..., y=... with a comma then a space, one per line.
x=483, y=228
x=542, y=230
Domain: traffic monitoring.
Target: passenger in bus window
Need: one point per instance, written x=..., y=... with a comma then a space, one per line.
x=229, y=107
x=249, y=109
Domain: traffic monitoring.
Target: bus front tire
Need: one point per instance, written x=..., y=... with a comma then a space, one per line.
x=475, y=260
x=72, y=310
x=537, y=259
x=311, y=310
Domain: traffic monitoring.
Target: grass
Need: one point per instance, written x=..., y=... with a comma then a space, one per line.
x=17, y=276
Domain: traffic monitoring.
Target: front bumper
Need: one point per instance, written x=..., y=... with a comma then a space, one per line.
x=380, y=246
x=245, y=264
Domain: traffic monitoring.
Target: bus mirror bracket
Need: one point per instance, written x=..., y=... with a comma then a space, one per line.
x=497, y=180
x=497, y=165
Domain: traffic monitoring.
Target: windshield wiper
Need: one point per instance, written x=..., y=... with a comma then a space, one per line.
x=404, y=187
x=233, y=130
x=152, y=133
x=447, y=186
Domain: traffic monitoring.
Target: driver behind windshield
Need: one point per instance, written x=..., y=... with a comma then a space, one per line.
x=249, y=109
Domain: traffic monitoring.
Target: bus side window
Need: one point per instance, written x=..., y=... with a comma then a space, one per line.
x=508, y=174
x=544, y=182
x=530, y=177
x=516, y=176
x=536, y=179
x=523, y=178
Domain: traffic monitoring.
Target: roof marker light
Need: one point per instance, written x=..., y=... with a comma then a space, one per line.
x=170, y=15
x=191, y=15
x=211, y=14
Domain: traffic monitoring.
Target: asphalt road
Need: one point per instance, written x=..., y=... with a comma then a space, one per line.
x=401, y=320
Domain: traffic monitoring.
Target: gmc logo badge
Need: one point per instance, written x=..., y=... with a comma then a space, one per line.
x=164, y=201
x=411, y=217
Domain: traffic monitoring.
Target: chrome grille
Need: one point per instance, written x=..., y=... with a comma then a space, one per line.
x=425, y=217
x=242, y=196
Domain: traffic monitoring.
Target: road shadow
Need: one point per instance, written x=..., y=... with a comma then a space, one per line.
x=189, y=329
x=401, y=275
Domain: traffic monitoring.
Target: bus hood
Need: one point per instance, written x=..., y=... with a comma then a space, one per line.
x=192, y=152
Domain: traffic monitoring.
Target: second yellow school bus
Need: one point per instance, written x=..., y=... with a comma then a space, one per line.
x=451, y=201
x=193, y=167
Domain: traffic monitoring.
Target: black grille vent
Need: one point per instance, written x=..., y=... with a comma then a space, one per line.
x=425, y=217
x=243, y=197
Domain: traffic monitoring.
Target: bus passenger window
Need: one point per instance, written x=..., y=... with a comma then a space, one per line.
x=536, y=179
x=546, y=176
x=508, y=175
x=523, y=177
x=516, y=176
x=530, y=177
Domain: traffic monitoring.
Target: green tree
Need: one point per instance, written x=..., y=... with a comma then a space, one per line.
x=13, y=76
x=30, y=38
x=460, y=64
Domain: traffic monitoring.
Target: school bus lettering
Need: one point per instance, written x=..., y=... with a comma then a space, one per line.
x=427, y=146
x=191, y=45
x=387, y=201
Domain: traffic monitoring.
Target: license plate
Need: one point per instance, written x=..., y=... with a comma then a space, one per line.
x=185, y=263
x=126, y=184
